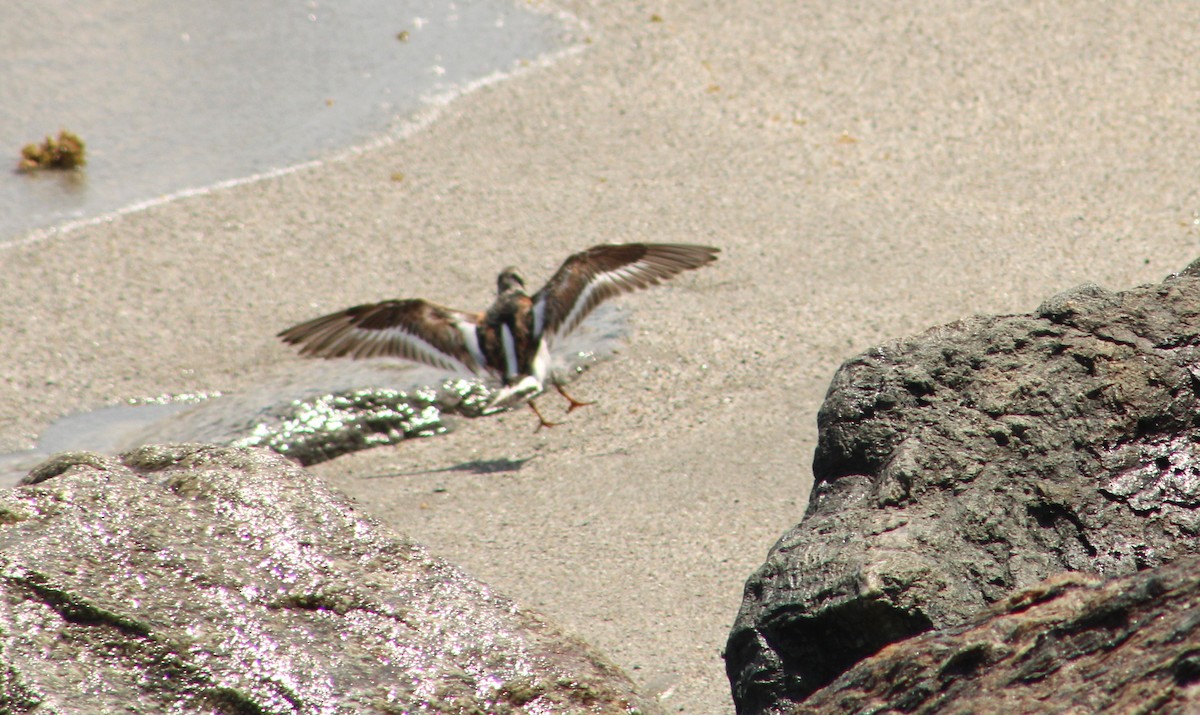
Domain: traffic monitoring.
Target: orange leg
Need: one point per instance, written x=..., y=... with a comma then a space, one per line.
x=574, y=403
x=542, y=421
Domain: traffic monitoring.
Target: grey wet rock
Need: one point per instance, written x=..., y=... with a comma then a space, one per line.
x=973, y=460
x=200, y=579
x=328, y=426
x=1072, y=644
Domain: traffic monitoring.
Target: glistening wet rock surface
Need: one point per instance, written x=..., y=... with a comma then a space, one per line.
x=975, y=459
x=318, y=429
x=200, y=579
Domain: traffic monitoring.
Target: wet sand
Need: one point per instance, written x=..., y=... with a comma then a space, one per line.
x=870, y=171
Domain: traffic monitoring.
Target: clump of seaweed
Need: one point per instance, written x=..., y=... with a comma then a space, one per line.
x=64, y=152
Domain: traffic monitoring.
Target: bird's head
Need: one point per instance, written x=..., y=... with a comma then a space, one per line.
x=509, y=281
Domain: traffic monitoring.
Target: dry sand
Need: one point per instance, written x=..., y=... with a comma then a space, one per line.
x=870, y=170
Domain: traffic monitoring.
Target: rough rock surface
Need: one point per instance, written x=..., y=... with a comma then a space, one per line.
x=976, y=459
x=193, y=579
x=1072, y=644
x=328, y=426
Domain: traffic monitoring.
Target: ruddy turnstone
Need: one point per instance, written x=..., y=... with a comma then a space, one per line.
x=514, y=338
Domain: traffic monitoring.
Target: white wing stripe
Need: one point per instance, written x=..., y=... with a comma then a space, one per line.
x=419, y=346
x=471, y=339
x=539, y=318
x=568, y=323
x=510, y=350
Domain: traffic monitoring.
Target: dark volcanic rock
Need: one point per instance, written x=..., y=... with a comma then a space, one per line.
x=1072, y=644
x=973, y=460
x=190, y=579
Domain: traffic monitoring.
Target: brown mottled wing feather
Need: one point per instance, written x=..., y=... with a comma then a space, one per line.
x=415, y=330
x=592, y=276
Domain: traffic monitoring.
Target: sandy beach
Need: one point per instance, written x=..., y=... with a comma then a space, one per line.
x=869, y=171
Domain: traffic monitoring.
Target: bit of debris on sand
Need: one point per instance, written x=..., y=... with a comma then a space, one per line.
x=65, y=152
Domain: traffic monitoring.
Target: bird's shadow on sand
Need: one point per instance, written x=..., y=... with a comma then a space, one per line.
x=478, y=466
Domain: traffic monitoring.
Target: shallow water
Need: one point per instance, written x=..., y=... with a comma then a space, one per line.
x=171, y=97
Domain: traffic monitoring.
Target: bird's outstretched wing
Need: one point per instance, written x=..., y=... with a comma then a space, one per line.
x=414, y=329
x=601, y=272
